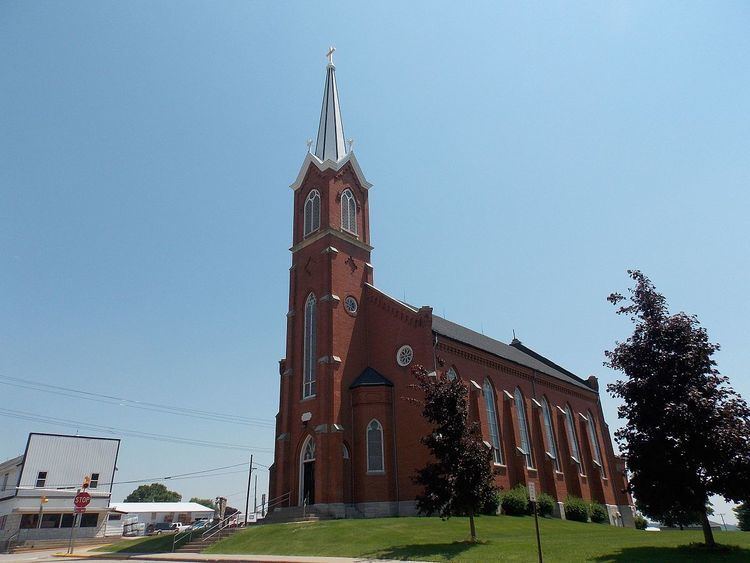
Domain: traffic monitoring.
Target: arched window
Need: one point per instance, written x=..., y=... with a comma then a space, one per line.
x=523, y=428
x=489, y=404
x=570, y=427
x=375, y=447
x=348, y=212
x=308, y=385
x=312, y=212
x=595, y=450
x=308, y=452
x=451, y=374
x=345, y=451
x=549, y=431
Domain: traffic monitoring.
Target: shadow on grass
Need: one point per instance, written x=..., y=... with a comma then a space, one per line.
x=410, y=551
x=681, y=554
x=155, y=544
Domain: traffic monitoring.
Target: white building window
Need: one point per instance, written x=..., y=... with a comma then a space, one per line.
x=310, y=345
x=570, y=427
x=2, y=521
x=312, y=212
x=595, y=450
x=41, y=479
x=523, y=429
x=94, y=483
x=489, y=403
x=451, y=375
x=549, y=430
x=375, y=447
x=348, y=212
x=5, y=481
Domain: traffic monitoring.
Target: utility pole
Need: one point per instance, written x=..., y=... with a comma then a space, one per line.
x=249, y=479
x=255, y=498
x=722, y=519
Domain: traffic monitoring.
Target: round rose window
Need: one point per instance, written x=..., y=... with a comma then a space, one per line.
x=404, y=356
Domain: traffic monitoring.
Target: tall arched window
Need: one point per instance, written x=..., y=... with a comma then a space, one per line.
x=348, y=212
x=310, y=348
x=308, y=452
x=375, y=447
x=595, y=450
x=523, y=428
x=489, y=404
x=570, y=427
x=312, y=212
x=549, y=431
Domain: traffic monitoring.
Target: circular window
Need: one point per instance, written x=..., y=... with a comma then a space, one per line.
x=350, y=304
x=404, y=356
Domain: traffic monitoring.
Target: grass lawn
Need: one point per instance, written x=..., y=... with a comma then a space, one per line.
x=504, y=538
x=147, y=544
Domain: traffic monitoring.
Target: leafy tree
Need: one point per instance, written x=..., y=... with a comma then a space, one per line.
x=687, y=435
x=459, y=480
x=155, y=492
x=640, y=522
x=207, y=502
x=743, y=516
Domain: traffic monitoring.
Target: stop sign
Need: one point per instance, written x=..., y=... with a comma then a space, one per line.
x=82, y=500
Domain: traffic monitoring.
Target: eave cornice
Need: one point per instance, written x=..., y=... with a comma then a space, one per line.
x=329, y=164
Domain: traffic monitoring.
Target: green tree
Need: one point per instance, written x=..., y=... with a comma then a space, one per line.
x=743, y=516
x=207, y=502
x=687, y=432
x=459, y=480
x=155, y=492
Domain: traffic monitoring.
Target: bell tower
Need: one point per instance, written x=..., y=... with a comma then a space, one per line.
x=330, y=267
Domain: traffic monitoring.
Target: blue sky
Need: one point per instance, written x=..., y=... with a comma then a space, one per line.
x=524, y=156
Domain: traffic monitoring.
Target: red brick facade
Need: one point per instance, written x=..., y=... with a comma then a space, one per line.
x=333, y=264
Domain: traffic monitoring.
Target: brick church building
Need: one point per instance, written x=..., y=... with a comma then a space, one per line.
x=346, y=443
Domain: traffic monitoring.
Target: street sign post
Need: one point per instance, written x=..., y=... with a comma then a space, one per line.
x=80, y=502
x=532, y=499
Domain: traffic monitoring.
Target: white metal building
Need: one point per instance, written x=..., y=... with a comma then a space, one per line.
x=53, y=466
x=139, y=515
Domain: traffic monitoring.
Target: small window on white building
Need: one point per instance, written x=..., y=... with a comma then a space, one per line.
x=2, y=521
x=41, y=479
x=5, y=481
x=94, y=483
x=375, y=447
x=348, y=212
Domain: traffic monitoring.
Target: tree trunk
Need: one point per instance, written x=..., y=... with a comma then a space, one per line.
x=473, y=528
x=708, y=533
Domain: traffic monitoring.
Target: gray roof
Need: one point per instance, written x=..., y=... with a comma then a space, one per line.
x=527, y=358
x=371, y=377
x=330, y=144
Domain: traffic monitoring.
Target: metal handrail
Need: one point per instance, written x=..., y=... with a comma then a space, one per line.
x=177, y=537
x=219, y=526
x=279, y=500
x=10, y=540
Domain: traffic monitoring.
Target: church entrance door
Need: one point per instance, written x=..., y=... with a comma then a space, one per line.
x=308, y=482
x=307, y=473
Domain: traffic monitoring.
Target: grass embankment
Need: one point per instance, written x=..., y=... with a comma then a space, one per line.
x=148, y=544
x=503, y=538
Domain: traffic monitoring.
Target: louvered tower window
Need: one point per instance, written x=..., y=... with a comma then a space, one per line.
x=348, y=212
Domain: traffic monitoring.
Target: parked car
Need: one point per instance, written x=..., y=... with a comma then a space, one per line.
x=199, y=525
x=162, y=528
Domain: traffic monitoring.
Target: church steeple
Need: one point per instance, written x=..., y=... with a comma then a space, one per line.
x=331, y=144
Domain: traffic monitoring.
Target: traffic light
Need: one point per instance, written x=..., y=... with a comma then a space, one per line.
x=86, y=482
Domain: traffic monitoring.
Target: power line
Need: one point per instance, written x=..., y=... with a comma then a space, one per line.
x=142, y=405
x=8, y=413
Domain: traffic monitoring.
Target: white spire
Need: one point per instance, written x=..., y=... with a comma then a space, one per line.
x=331, y=143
